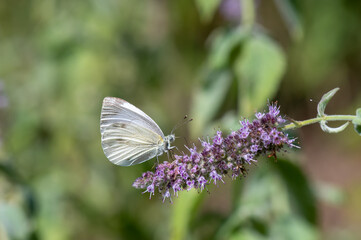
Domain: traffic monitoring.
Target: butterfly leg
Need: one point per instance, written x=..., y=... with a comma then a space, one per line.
x=168, y=153
x=177, y=149
x=171, y=153
x=155, y=164
x=157, y=160
x=185, y=139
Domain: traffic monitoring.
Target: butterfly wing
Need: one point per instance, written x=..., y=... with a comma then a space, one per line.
x=129, y=136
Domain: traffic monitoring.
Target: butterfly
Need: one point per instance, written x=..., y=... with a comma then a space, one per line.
x=128, y=135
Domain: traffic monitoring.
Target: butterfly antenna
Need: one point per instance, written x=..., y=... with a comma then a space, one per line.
x=180, y=124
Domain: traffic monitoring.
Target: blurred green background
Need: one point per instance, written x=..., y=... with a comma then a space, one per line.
x=215, y=60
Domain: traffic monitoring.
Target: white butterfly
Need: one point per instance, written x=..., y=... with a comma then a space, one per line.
x=129, y=136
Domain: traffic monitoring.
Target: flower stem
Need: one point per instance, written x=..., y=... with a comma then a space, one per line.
x=298, y=124
x=248, y=13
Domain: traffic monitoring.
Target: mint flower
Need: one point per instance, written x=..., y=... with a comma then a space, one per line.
x=223, y=156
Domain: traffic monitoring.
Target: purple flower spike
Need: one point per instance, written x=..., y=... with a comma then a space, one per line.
x=223, y=156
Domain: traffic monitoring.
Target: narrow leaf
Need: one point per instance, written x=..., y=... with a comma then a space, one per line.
x=324, y=101
x=357, y=121
x=291, y=18
x=328, y=129
x=358, y=112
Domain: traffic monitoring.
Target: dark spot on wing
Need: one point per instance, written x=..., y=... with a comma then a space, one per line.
x=121, y=140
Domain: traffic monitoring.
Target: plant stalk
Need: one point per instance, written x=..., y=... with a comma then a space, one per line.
x=298, y=124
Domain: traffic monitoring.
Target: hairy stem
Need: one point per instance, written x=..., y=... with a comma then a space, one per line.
x=298, y=124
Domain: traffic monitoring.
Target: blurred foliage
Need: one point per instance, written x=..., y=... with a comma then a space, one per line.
x=217, y=60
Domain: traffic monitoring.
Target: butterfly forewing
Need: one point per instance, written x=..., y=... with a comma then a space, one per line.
x=116, y=110
x=129, y=136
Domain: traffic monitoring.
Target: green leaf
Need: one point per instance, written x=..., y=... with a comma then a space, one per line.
x=358, y=113
x=14, y=220
x=324, y=101
x=184, y=208
x=247, y=234
x=357, y=121
x=277, y=201
x=328, y=129
x=229, y=121
x=259, y=69
x=263, y=198
x=224, y=43
x=300, y=192
x=208, y=99
x=358, y=129
x=330, y=194
x=207, y=8
x=291, y=18
x=293, y=227
x=321, y=113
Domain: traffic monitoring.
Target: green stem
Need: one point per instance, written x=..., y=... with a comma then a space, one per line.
x=247, y=22
x=298, y=124
x=248, y=13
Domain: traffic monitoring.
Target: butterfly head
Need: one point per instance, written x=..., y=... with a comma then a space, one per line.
x=168, y=140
